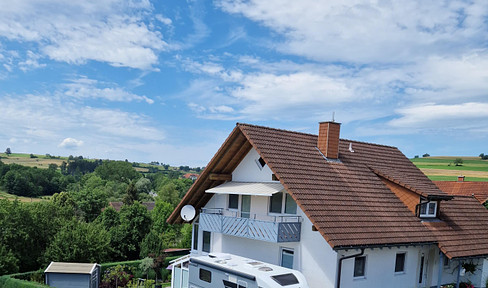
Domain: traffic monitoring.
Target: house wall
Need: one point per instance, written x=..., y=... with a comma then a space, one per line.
x=380, y=268
x=248, y=170
x=61, y=280
x=312, y=255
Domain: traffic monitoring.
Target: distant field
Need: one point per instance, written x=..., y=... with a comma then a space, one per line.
x=5, y=195
x=443, y=168
x=24, y=159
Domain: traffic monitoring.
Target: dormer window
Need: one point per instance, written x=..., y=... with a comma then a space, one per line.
x=428, y=210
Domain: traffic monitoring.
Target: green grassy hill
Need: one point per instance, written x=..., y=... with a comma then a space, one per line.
x=444, y=169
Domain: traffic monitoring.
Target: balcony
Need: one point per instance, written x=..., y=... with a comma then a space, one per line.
x=275, y=229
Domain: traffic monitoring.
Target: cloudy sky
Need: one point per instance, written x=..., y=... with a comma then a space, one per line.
x=167, y=80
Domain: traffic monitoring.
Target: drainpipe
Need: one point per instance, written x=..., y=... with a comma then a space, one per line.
x=458, y=274
x=441, y=265
x=339, y=268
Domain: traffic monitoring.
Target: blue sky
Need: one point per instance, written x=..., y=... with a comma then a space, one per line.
x=167, y=80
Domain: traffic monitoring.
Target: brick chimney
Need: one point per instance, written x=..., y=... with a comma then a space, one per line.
x=460, y=178
x=328, y=141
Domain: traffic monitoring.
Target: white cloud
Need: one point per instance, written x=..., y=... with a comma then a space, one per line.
x=70, y=143
x=84, y=88
x=44, y=119
x=75, y=32
x=364, y=31
x=469, y=116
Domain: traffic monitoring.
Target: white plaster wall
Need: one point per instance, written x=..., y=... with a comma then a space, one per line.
x=380, y=268
x=318, y=262
x=248, y=170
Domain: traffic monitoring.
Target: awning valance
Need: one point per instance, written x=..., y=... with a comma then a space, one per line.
x=247, y=188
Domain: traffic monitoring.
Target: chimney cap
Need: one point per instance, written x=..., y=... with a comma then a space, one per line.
x=334, y=122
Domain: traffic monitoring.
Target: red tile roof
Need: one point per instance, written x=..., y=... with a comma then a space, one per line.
x=346, y=200
x=466, y=188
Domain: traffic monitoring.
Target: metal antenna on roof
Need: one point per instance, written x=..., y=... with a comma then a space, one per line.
x=333, y=114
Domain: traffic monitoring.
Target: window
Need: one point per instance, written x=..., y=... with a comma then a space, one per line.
x=206, y=241
x=260, y=162
x=233, y=201
x=275, y=202
x=290, y=205
x=287, y=258
x=359, y=266
x=400, y=262
x=195, y=236
x=428, y=209
x=282, y=203
x=205, y=275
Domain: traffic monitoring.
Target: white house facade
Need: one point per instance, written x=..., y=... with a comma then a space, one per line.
x=369, y=226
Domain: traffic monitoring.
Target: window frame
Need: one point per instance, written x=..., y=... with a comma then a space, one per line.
x=229, y=202
x=209, y=241
x=427, y=206
x=204, y=279
x=283, y=208
x=291, y=252
x=403, y=271
x=363, y=270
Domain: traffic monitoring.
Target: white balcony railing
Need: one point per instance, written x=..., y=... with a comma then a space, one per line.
x=271, y=229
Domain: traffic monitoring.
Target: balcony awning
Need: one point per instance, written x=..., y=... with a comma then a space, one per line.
x=247, y=188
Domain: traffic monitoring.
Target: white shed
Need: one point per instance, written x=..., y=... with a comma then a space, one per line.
x=72, y=275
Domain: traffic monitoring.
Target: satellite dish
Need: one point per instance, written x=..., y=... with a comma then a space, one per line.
x=187, y=213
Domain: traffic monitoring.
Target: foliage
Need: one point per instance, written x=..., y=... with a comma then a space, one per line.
x=127, y=229
x=469, y=267
x=80, y=242
x=119, y=171
x=77, y=166
x=25, y=181
x=146, y=264
x=7, y=282
x=426, y=155
x=91, y=197
x=131, y=194
x=8, y=151
x=117, y=276
x=483, y=156
x=8, y=262
x=458, y=162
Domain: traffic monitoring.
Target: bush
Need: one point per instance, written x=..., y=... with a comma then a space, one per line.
x=7, y=282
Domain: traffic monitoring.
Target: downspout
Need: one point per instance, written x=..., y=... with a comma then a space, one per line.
x=339, y=268
x=458, y=274
x=441, y=264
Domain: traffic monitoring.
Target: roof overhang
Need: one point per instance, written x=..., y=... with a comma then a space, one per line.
x=247, y=188
x=439, y=197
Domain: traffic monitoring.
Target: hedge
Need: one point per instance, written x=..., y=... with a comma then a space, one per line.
x=7, y=282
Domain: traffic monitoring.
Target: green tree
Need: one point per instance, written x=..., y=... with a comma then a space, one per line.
x=119, y=171
x=91, y=198
x=9, y=264
x=8, y=151
x=134, y=224
x=458, y=162
x=80, y=242
x=131, y=194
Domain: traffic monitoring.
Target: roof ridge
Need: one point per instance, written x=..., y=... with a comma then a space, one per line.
x=311, y=134
x=276, y=129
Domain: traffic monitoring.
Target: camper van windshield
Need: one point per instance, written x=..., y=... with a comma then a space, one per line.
x=285, y=279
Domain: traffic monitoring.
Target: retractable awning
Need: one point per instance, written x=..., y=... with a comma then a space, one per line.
x=247, y=188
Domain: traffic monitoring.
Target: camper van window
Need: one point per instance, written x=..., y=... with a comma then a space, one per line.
x=285, y=279
x=205, y=275
x=228, y=284
x=206, y=241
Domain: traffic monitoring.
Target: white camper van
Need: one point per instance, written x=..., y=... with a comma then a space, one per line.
x=232, y=271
